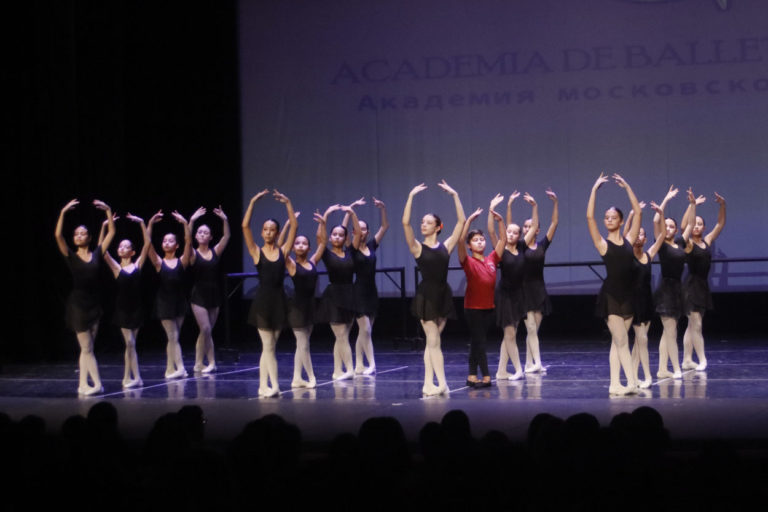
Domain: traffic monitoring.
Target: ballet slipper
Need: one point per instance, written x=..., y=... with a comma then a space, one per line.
x=343, y=376
x=645, y=384
x=371, y=370
x=428, y=389
x=267, y=392
x=517, y=375
x=359, y=370
x=312, y=382
x=299, y=383
x=533, y=368
x=701, y=366
x=210, y=368
x=619, y=390
x=198, y=368
x=688, y=365
x=665, y=374
x=503, y=375
x=677, y=375
x=178, y=374
x=95, y=390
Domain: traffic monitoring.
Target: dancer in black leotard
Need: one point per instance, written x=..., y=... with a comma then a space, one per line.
x=642, y=297
x=301, y=314
x=269, y=309
x=128, y=311
x=697, y=298
x=510, y=298
x=338, y=301
x=83, y=305
x=171, y=299
x=614, y=302
x=206, y=290
x=669, y=296
x=366, y=294
x=537, y=304
x=433, y=302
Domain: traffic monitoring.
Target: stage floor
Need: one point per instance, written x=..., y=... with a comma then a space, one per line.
x=729, y=400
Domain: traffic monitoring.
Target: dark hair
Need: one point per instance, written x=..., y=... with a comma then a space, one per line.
x=673, y=220
x=309, y=244
x=342, y=227
x=275, y=221
x=474, y=232
x=364, y=222
x=702, y=220
x=438, y=222
x=618, y=210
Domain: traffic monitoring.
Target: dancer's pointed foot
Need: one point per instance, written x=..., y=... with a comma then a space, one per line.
x=645, y=384
x=312, y=383
x=701, y=366
x=210, y=368
x=619, y=390
x=371, y=370
x=665, y=374
x=267, y=392
x=677, y=375
x=135, y=383
x=429, y=389
x=299, y=383
x=517, y=375
x=343, y=376
x=178, y=374
x=688, y=365
x=535, y=368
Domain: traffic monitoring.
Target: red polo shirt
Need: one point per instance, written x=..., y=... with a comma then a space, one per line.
x=481, y=281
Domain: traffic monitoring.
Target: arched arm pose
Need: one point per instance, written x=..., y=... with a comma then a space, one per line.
x=83, y=303
x=535, y=294
x=698, y=298
x=206, y=290
x=345, y=221
x=285, y=228
x=269, y=308
x=128, y=311
x=615, y=298
x=433, y=302
x=366, y=293
x=171, y=302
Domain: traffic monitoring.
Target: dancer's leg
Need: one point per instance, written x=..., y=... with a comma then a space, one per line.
x=268, y=363
x=342, y=352
x=532, y=354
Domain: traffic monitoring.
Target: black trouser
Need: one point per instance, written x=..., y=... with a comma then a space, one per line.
x=479, y=321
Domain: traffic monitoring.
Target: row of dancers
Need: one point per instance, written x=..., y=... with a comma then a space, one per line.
x=351, y=295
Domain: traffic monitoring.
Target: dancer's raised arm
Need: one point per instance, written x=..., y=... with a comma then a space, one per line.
x=152, y=255
x=654, y=249
x=384, y=226
x=498, y=198
x=530, y=236
x=594, y=232
x=413, y=245
x=712, y=235
x=451, y=241
x=672, y=192
x=147, y=243
x=637, y=221
x=253, y=248
x=292, y=222
x=284, y=229
x=628, y=223
x=101, y=205
x=464, y=233
x=514, y=195
x=555, y=214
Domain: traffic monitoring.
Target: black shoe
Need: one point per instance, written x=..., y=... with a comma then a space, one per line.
x=483, y=384
x=472, y=383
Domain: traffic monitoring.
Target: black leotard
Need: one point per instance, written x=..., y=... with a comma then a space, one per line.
x=669, y=295
x=510, y=298
x=366, y=294
x=433, y=299
x=642, y=297
x=302, y=305
x=338, y=301
x=206, y=290
x=171, y=301
x=83, y=305
x=128, y=313
x=269, y=308
x=615, y=297
x=534, y=289
x=696, y=288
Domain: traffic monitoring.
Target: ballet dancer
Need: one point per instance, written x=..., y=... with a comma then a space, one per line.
x=366, y=294
x=697, y=296
x=83, y=306
x=269, y=308
x=642, y=296
x=668, y=296
x=206, y=289
x=510, y=298
x=433, y=302
x=128, y=312
x=301, y=313
x=537, y=302
x=171, y=300
x=614, y=303
x=338, y=300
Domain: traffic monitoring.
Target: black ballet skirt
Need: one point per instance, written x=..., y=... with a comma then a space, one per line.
x=643, y=296
x=668, y=297
x=206, y=290
x=337, y=304
x=83, y=309
x=510, y=299
x=434, y=298
x=534, y=289
x=171, y=300
x=269, y=308
x=615, y=297
x=696, y=294
x=128, y=312
x=302, y=305
x=366, y=294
